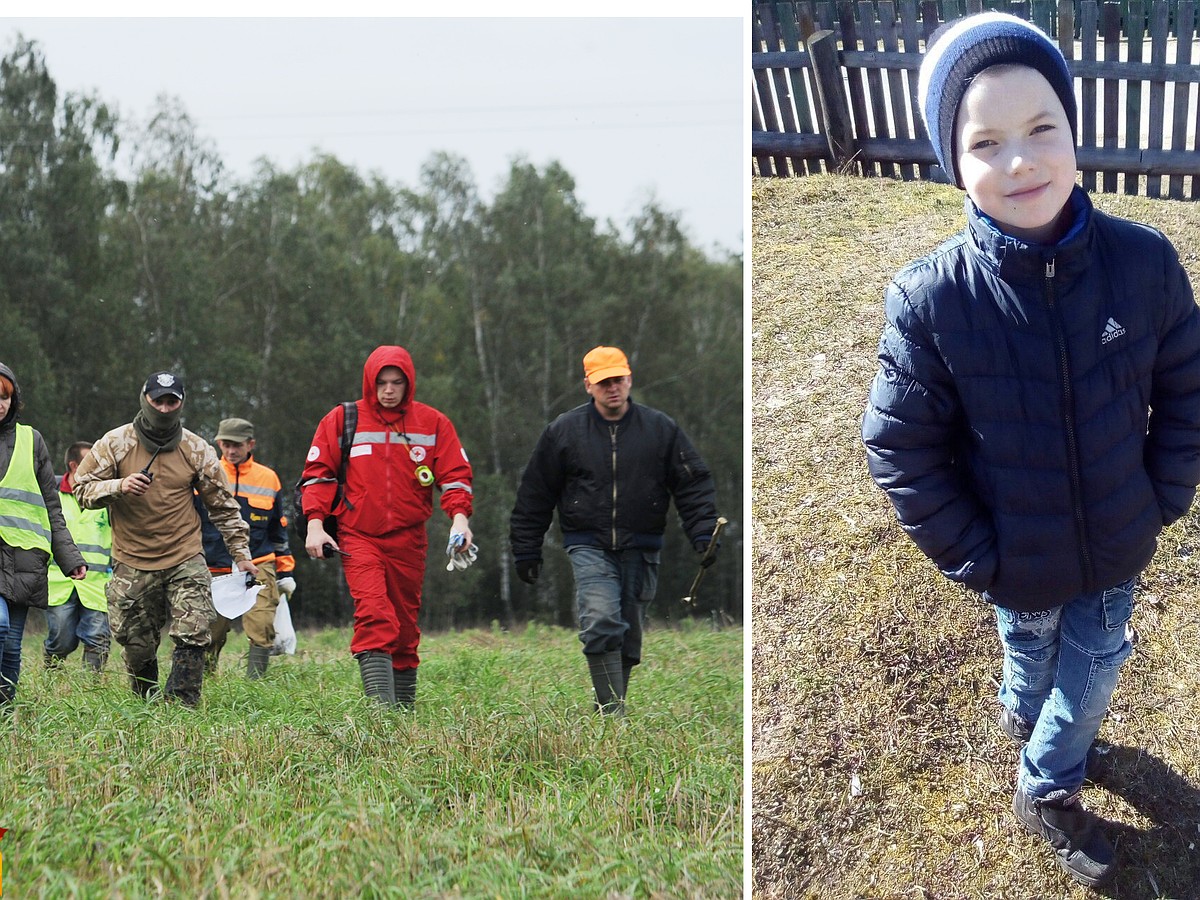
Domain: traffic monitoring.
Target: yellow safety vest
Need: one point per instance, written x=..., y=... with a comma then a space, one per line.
x=24, y=521
x=92, y=534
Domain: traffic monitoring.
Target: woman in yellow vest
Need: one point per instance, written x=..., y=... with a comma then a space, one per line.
x=32, y=529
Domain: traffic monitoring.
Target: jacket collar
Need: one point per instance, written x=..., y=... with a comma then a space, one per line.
x=595, y=413
x=1017, y=261
x=240, y=469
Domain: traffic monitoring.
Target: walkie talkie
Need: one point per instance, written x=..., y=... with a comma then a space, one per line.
x=146, y=471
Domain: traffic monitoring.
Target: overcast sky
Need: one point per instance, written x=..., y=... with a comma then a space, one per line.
x=633, y=108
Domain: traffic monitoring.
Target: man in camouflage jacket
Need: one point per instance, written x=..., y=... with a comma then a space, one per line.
x=145, y=472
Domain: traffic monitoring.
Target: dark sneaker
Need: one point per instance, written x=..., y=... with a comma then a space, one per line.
x=1019, y=730
x=1081, y=847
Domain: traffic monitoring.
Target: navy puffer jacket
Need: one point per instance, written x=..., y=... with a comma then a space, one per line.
x=1035, y=420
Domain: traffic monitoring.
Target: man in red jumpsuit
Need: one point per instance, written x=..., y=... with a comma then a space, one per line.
x=401, y=453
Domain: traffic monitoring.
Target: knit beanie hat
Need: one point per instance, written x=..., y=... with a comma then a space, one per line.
x=959, y=51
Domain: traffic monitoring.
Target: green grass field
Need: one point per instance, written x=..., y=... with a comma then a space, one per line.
x=502, y=783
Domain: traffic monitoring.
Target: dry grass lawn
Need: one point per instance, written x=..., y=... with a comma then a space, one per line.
x=878, y=769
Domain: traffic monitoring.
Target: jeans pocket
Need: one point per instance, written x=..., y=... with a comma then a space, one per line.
x=650, y=560
x=1117, y=605
x=1102, y=680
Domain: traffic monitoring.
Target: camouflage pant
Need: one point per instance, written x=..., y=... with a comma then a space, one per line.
x=259, y=621
x=140, y=603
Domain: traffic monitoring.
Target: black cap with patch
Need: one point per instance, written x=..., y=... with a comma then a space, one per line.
x=161, y=383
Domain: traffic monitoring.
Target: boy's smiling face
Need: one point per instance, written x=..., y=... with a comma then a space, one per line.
x=1015, y=152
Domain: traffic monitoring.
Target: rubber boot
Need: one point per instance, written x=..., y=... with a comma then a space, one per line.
x=256, y=662
x=606, y=672
x=52, y=661
x=145, y=680
x=187, y=675
x=405, y=683
x=627, y=665
x=376, y=671
x=94, y=659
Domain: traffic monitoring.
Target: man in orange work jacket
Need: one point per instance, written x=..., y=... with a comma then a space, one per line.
x=401, y=453
x=258, y=492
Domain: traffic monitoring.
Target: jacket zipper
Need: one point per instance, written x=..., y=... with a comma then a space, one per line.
x=1085, y=556
x=612, y=433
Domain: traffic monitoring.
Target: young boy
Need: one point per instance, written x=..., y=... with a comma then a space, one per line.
x=1035, y=420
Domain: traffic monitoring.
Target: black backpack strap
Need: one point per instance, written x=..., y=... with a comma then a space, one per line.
x=349, y=427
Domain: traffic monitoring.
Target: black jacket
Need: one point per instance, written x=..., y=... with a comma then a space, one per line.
x=1035, y=420
x=612, y=483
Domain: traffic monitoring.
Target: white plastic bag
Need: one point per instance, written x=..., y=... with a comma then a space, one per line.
x=285, y=634
x=231, y=594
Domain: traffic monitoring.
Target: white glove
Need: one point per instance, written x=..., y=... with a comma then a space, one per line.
x=460, y=558
x=286, y=585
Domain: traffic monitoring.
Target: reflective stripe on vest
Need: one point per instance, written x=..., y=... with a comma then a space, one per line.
x=390, y=437
x=92, y=534
x=24, y=521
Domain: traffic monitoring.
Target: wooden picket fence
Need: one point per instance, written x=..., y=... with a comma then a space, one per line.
x=835, y=88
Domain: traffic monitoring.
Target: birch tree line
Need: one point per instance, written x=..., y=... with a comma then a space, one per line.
x=267, y=294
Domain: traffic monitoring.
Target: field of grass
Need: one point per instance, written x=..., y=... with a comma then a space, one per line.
x=878, y=769
x=502, y=783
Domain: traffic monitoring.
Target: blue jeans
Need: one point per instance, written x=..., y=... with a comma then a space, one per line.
x=12, y=629
x=612, y=589
x=70, y=623
x=1060, y=670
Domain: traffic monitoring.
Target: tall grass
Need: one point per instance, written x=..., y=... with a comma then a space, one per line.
x=502, y=783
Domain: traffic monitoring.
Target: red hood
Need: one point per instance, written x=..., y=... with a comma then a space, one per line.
x=380, y=358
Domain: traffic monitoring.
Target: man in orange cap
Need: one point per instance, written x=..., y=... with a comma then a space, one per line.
x=611, y=467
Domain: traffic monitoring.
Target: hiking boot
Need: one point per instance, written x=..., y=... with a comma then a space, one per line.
x=187, y=675
x=1020, y=730
x=1081, y=847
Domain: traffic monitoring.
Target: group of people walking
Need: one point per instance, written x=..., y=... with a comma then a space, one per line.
x=127, y=541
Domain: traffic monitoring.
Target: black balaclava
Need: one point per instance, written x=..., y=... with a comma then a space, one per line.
x=158, y=430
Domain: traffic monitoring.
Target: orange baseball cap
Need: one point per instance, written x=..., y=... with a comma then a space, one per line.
x=605, y=362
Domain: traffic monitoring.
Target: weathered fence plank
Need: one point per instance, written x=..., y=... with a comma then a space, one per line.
x=1087, y=93
x=1110, y=30
x=1159, y=32
x=866, y=25
x=1179, y=116
x=1135, y=28
x=764, y=107
x=822, y=50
